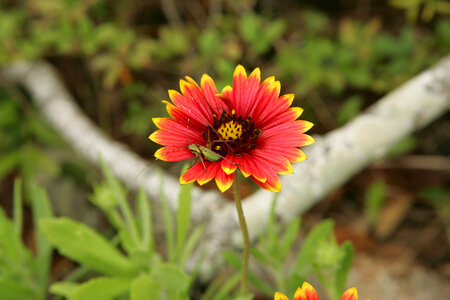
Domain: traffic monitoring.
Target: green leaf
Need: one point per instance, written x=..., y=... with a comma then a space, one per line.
x=271, y=241
x=18, y=208
x=344, y=267
x=349, y=110
x=120, y=194
x=435, y=194
x=245, y=297
x=274, y=31
x=265, y=257
x=12, y=290
x=236, y=262
x=249, y=27
x=8, y=162
x=209, y=42
x=190, y=245
x=127, y=242
x=104, y=288
x=63, y=288
x=103, y=197
x=144, y=288
x=306, y=254
x=405, y=145
x=227, y=287
x=172, y=276
x=232, y=258
x=183, y=214
x=145, y=220
x=41, y=209
x=11, y=246
x=85, y=246
x=375, y=198
x=168, y=221
x=288, y=239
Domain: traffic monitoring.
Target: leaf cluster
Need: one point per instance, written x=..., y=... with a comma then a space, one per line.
x=319, y=254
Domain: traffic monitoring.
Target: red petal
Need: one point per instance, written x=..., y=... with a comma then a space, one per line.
x=288, y=128
x=287, y=99
x=227, y=97
x=188, y=105
x=239, y=85
x=193, y=92
x=309, y=291
x=181, y=117
x=281, y=116
x=173, y=153
x=223, y=180
x=210, y=91
x=174, y=134
x=251, y=89
x=350, y=294
x=280, y=296
x=229, y=164
x=268, y=102
x=300, y=295
x=291, y=154
x=276, y=162
x=272, y=184
x=193, y=173
x=289, y=137
x=248, y=166
x=211, y=172
x=261, y=96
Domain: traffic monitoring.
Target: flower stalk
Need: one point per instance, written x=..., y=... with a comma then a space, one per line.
x=246, y=240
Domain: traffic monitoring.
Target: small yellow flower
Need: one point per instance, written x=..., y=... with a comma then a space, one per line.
x=307, y=292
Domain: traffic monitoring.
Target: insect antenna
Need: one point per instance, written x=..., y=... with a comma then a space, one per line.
x=187, y=127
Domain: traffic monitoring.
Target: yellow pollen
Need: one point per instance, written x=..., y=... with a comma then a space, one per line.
x=230, y=130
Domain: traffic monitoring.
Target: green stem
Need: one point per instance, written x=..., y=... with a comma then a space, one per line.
x=245, y=252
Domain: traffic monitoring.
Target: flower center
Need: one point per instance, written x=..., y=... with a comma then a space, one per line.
x=231, y=134
x=230, y=130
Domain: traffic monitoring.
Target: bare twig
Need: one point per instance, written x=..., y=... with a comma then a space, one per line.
x=417, y=162
x=171, y=12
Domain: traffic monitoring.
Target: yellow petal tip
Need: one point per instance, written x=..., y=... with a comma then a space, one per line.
x=239, y=71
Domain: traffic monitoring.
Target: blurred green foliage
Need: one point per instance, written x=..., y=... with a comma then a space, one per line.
x=439, y=197
x=319, y=254
x=316, y=57
x=424, y=10
x=375, y=198
x=129, y=55
x=142, y=272
x=30, y=147
x=130, y=262
x=24, y=275
x=23, y=138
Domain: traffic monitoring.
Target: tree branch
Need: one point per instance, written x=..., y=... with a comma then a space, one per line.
x=332, y=160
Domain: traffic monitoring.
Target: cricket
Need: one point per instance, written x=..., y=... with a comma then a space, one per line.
x=205, y=153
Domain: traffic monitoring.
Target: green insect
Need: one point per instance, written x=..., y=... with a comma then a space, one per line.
x=205, y=153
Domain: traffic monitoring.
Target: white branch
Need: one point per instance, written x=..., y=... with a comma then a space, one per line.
x=332, y=160
x=58, y=106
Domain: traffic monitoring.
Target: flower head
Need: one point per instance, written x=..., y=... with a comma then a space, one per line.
x=307, y=292
x=248, y=126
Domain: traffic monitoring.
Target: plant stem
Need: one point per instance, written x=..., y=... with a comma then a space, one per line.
x=245, y=252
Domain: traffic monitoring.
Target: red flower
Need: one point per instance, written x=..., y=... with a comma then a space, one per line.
x=307, y=292
x=249, y=126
